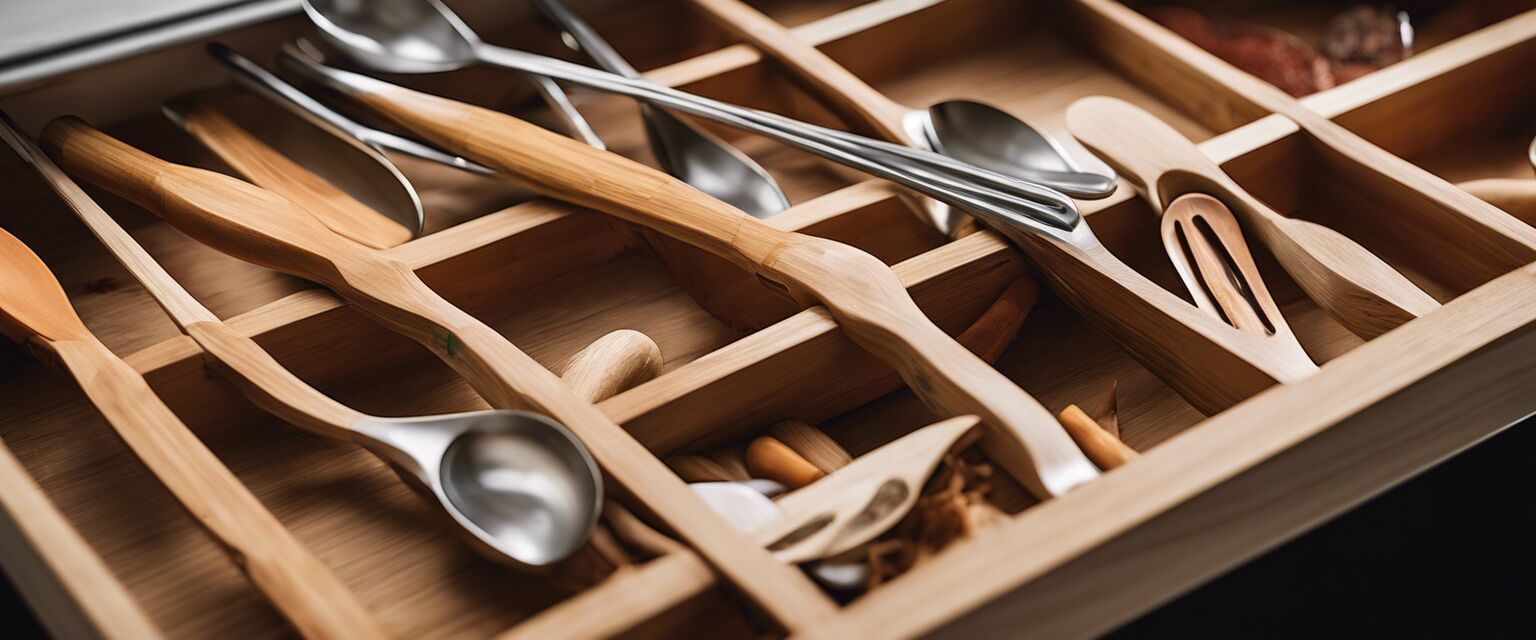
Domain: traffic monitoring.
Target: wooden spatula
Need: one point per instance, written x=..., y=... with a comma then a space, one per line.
x=1206, y=245
x=34, y=310
x=1354, y=286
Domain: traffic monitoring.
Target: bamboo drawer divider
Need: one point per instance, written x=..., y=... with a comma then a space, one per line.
x=1207, y=492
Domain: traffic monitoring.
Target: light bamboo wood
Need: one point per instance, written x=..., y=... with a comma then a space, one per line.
x=1372, y=416
x=1472, y=240
x=54, y=554
x=1513, y=195
x=266, y=229
x=1200, y=228
x=1357, y=288
x=264, y=166
x=860, y=291
x=34, y=309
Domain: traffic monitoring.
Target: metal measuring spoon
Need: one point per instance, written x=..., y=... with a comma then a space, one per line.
x=688, y=152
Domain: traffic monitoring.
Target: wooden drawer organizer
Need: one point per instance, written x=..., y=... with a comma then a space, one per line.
x=1209, y=492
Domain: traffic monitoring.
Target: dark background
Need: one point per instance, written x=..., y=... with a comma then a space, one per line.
x=1444, y=555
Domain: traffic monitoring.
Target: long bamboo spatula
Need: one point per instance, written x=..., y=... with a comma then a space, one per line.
x=862, y=293
x=35, y=311
x=1354, y=286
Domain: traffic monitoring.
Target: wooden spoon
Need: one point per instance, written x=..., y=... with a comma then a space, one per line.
x=261, y=227
x=34, y=310
x=1357, y=288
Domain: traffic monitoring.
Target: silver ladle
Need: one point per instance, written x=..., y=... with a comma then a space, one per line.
x=413, y=36
x=683, y=150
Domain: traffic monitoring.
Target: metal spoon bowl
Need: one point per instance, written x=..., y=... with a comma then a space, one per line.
x=368, y=35
x=519, y=482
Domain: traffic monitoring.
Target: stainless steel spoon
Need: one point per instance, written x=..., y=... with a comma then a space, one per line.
x=520, y=484
x=692, y=154
x=415, y=36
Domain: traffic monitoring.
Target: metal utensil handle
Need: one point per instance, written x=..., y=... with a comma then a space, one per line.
x=1048, y=206
x=769, y=124
x=586, y=38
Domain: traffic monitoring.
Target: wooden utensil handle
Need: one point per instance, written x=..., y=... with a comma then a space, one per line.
x=858, y=104
x=612, y=364
x=862, y=293
x=268, y=384
x=225, y=213
x=302, y=588
x=1209, y=363
x=1141, y=148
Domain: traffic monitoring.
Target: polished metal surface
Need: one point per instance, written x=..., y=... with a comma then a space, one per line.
x=345, y=25
x=359, y=168
x=693, y=155
x=519, y=482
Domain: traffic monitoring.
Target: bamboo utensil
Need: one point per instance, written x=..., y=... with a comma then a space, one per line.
x=891, y=477
x=449, y=457
x=1143, y=317
x=859, y=290
x=683, y=150
x=35, y=311
x=250, y=223
x=1358, y=289
x=771, y=459
x=263, y=165
x=1207, y=249
x=971, y=131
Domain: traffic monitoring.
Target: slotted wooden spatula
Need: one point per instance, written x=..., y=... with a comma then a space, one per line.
x=1354, y=286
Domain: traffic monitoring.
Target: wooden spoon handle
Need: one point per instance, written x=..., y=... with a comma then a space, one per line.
x=1352, y=284
x=612, y=364
x=264, y=166
x=858, y=104
x=862, y=293
x=302, y=587
x=250, y=223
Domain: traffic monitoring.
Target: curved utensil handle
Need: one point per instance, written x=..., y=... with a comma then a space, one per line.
x=269, y=385
x=301, y=587
x=225, y=213
x=857, y=103
x=1353, y=285
x=1209, y=363
x=612, y=364
x=1138, y=145
x=265, y=166
x=862, y=293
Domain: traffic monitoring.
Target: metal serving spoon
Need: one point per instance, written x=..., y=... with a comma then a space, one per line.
x=975, y=132
x=688, y=152
x=518, y=482
x=415, y=36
